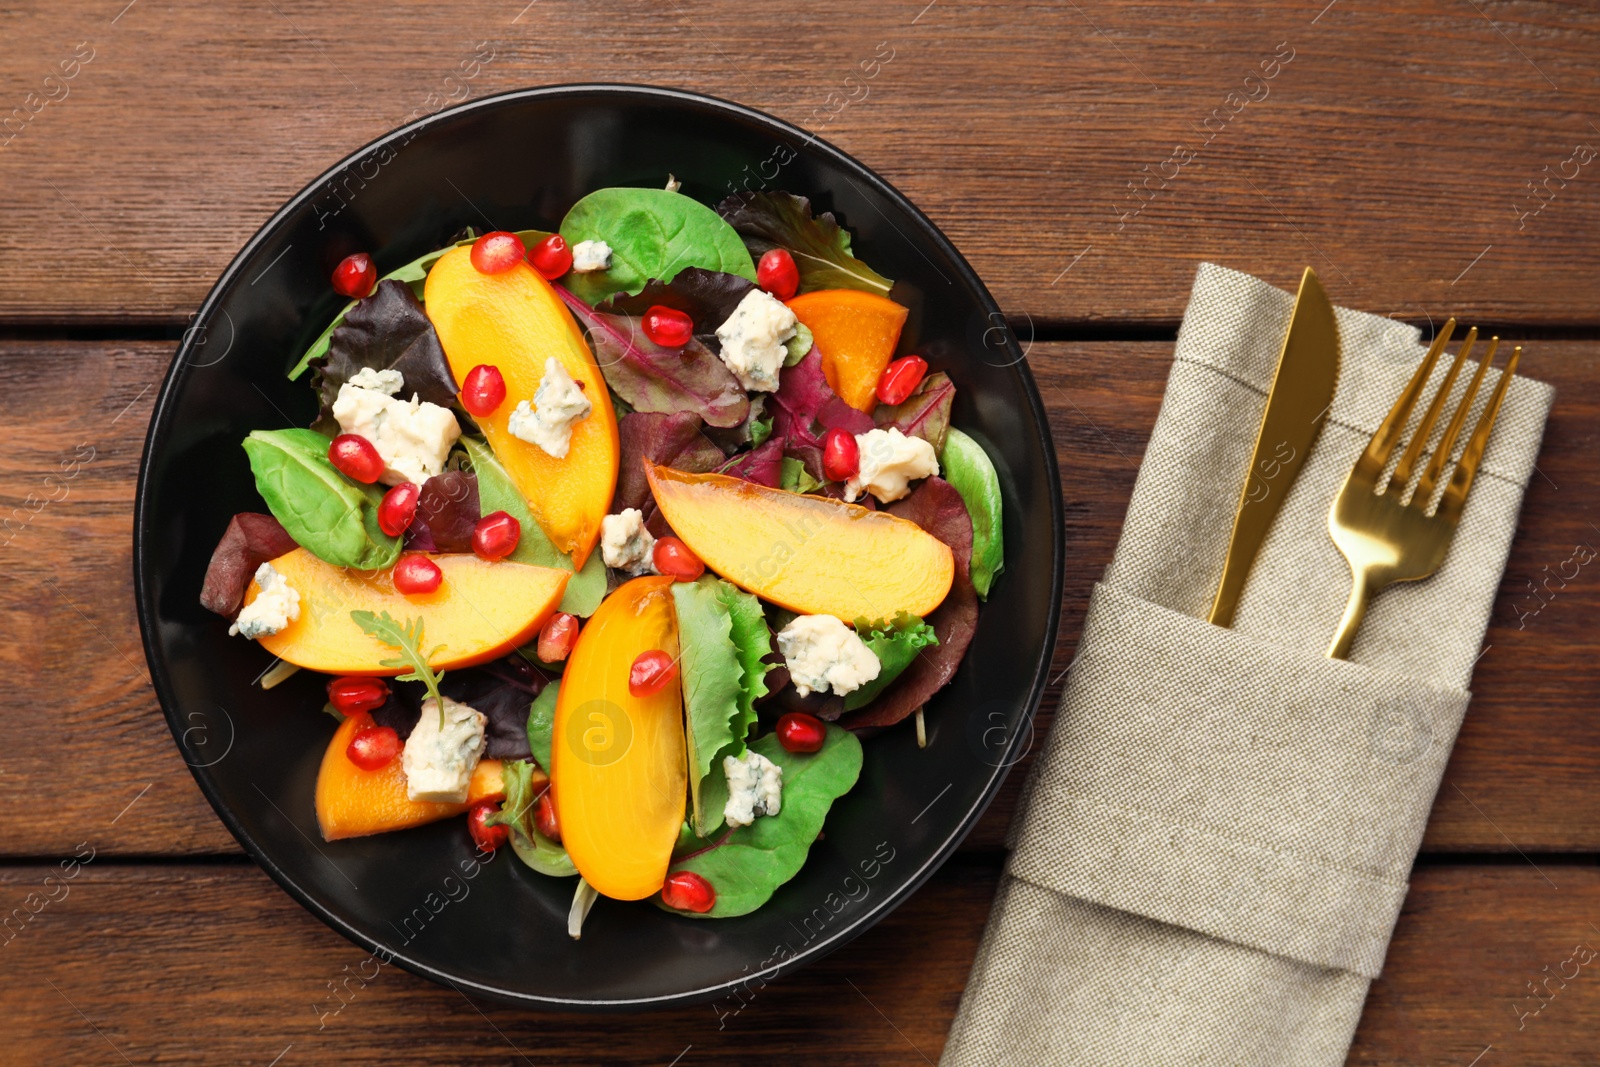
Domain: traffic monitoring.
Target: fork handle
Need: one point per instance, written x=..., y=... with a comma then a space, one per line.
x=1354, y=612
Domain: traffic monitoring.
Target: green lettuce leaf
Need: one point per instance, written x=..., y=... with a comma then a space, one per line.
x=497, y=492
x=724, y=636
x=542, y=723
x=965, y=465
x=796, y=479
x=896, y=644
x=324, y=512
x=747, y=865
x=653, y=234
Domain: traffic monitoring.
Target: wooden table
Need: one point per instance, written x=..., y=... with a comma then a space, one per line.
x=1428, y=158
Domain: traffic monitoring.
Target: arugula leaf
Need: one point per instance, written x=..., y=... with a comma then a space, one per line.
x=408, y=639
x=968, y=467
x=895, y=644
x=497, y=492
x=723, y=636
x=819, y=245
x=656, y=379
x=795, y=477
x=385, y=331
x=925, y=413
x=320, y=509
x=653, y=233
x=747, y=865
x=542, y=723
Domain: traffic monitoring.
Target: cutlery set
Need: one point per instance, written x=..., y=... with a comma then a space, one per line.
x=1388, y=529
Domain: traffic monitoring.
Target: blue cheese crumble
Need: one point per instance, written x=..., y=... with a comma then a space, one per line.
x=591, y=256
x=755, y=787
x=413, y=437
x=625, y=544
x=276, y=605
x=753, y=339
x=439, y=759
x=823, y=654
x=558, y=405
x=890, y=462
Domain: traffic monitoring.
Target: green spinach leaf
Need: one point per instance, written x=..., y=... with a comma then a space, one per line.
x=896, y=644
x=819, y=245
x=542, y=723
x=323, y=511
x=968, y=467
x=747, y=865
x=653, y=233
x=796, y=479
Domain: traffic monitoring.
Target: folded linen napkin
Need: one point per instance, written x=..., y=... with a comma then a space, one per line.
x=1213, y=847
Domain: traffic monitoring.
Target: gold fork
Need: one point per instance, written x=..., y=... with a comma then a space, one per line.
x=1383, y=539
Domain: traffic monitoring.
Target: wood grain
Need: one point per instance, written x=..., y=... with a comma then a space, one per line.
x=1393, y=147
x=1521, y=776
x=189, y=965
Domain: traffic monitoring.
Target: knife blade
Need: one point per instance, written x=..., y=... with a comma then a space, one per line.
x=1297, y=406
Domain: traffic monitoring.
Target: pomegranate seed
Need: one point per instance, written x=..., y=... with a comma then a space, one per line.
x=651, y=672
x=356, y=457
x=557, y=637
x=355, y=276
x=483, y=390
x=373, y=747
x=672, y=557
x=497, y=252
x=841, y=455
x=544, y=818
x=901, y=378
x=668, y=327
x=687, y=891
x=496, y=535
x=398, y=509
x=551, y=257
x=486, y=837
x=777, y=274
x=355, y=694
x=415, y=574
x=800, y=732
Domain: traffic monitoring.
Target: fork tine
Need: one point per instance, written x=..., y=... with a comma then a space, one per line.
x=1430, y=474
x=1455, y=496
x=1408, y=459
x=1382, y=444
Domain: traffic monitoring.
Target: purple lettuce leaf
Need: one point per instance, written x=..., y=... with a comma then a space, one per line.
x=936, y=507
x=805, y=407
x=660, y=380
x=250, y=540
x=385, y=331
x=672, y=440
x=763, y=465
x=447, y=510
x=706, y=296
x=819, y=245
x=925, y=413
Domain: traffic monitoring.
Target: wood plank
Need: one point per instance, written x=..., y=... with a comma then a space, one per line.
x=1394, y=146
x=182, y=964
x=1521, y=776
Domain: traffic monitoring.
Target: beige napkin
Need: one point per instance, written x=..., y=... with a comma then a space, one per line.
x=1214, y=845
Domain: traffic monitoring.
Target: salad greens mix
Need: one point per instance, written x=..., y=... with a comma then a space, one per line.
x=614, y=539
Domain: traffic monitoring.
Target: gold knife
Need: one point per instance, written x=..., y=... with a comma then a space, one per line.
x=1302, y=393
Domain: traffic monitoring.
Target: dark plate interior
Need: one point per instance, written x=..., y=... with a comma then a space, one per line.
x=511, y=162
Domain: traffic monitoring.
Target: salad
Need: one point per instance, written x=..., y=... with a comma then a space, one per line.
x=615, y=540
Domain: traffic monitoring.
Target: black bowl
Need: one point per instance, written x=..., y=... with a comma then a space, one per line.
x=511, y=162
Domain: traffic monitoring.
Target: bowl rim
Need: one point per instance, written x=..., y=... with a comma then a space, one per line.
x=159, y=429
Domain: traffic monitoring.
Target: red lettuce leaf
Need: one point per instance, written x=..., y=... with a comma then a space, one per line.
x=925, y=413
x=706, y=296
x=671, y=440
x=660, y=380
x=763, y=465
x=250, y=540
x=805, y=407
x=501, y=689
x=936, y=507
x=819, y=245
x=447, y=510
x=385, y=331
